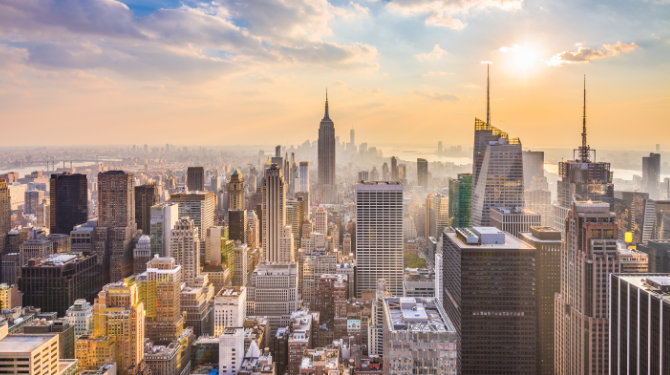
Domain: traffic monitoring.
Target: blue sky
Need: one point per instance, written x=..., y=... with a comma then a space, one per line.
x=225, y=67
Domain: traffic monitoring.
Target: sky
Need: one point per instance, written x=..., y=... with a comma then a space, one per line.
x=251, y=72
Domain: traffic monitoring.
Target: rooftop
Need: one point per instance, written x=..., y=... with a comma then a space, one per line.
x=23, y=343
x=230, y=291
x=657, y=284
x=514, y=211
x=416, y=315
x=378, y=185
x=58, y=259
x=486, y=238
x=541, y=233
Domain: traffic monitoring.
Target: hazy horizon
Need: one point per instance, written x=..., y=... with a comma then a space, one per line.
x=141, y=71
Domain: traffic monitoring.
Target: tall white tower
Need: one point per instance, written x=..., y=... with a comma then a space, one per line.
x=379, y=236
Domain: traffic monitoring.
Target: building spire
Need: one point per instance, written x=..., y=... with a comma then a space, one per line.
x=488, y=97
x=584, y=150
x=326, y=115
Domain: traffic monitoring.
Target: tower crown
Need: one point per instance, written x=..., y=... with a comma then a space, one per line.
x=326, y=115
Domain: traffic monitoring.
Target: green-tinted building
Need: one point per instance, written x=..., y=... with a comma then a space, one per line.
x=460, y=199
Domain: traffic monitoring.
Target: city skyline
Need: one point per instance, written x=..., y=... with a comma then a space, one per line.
x=341, y=187
x=389, y=66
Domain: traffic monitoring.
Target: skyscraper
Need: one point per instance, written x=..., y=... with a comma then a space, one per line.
x=651, y=174
x=54, y=282
x=5, y=213
x=582, y=179
x=484, y=133
x=500, y=179
x=119, y=317
x=253, y=230
x=230, y=308
x=145, y=197
x=33, y=199
x=634, y=213
x=68, y=202
x=295, y=216
x=116, y=224
x=489, y=295
x=304, y=184
x=163, y=218
x=286, y=245
x=274, y=213
x=514, y=221
x=236, y=200
x=273, y=292
x=537, y=198
x=199, y=207
x=240, y=269
x=237, y=225
x=395, y=172
x=141, y=254
x=195, y=178
x=533, y=166
x=321, y=220
x=638, y=320
x=165, y=322
x=185, y=249
x=379, y=236
x=116, y=199
x=326, y=156
x=588, y=256
x=422, y=172
x=460, y=200
x=547, y=241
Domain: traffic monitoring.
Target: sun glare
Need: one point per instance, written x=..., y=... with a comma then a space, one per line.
x=522, y=60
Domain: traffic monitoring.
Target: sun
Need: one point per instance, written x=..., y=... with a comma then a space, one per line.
x=522, y=60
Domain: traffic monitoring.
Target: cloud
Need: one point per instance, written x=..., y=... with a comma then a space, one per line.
x=586, y=54
x=437, y=95
x=356, y=55
x=435, y=54
x=193, y=41
x=445, y=13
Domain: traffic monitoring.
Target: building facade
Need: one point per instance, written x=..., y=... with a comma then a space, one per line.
x=379, y=236
x=489, y=286
x=588, y=256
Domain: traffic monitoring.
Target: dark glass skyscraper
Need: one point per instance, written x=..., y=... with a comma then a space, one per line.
x=489, y=293
x=69, y=202
x=54, y=282
x=639, y=319
x=195, y=178
x=116, y=224
x=547, y=242
x=5, y=213
x=145, y=197
x=651, y=174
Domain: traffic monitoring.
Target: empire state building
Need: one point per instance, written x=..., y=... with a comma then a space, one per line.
x=327, y=158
